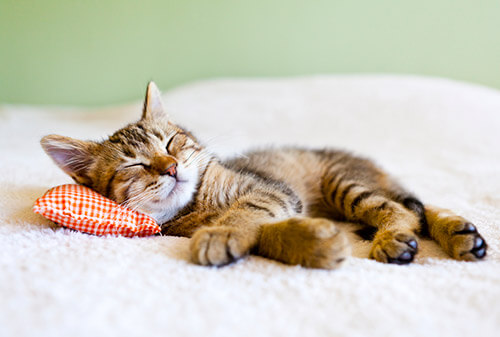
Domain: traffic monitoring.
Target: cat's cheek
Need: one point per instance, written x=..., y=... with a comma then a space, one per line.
x=174, y=200
x=185, y=174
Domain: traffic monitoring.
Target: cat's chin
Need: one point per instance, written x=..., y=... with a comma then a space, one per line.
x=172, y=199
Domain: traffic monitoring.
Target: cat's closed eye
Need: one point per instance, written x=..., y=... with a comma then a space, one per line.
x=176, y=142
x=170, y=143
x=137, y=165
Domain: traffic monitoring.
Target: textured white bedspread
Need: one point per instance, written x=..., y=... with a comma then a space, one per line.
x=440, y=138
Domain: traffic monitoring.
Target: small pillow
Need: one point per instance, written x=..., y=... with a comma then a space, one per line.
x=85, y=210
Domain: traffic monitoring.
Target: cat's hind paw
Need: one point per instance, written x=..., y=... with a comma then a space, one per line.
x=466, y=243
x=392, y=246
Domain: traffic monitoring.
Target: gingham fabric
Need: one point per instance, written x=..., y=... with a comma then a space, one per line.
x=85, y=210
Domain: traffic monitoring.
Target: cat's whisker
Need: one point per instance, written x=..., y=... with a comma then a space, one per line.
x=200, y=158
x=219, y=140
x=139, y=199
x=126, y=204
x=191, y=154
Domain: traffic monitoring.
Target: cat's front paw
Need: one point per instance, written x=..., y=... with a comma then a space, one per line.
x=465, y=243
x=393, y=246
x=313, y=243
x=217, y=246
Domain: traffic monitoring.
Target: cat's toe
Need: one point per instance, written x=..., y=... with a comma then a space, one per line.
x=330, y=253
x=216, y=246
x=465, y=228
x=394, y=247
x=312, y=243
x=323, y=245
x=466, y=243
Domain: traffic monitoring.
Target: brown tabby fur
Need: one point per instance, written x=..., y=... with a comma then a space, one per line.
x=278, y=203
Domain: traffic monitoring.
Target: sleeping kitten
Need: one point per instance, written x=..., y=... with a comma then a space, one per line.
x=279, y=203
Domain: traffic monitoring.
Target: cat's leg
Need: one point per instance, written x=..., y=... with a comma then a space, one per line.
x=457, y=236
x=271, y=226
x=310, y=242
x=237, y=230
x=395, y=240
x=188, y=224
x=222, y=244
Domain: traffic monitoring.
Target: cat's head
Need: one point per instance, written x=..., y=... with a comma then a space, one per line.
x=152, y=165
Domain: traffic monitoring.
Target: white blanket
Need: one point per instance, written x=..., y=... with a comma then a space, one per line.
x=439, y=137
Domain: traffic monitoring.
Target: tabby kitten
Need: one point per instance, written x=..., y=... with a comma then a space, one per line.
x=279, y=203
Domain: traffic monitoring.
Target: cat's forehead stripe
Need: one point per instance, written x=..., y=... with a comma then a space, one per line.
x=132, y=136
x=139, y=135
x=127, y=151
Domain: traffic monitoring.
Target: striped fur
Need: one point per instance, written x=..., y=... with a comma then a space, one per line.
x=280, y=203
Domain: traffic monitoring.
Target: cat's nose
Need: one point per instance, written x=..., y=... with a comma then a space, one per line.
x=165, y=165
x=170, y=171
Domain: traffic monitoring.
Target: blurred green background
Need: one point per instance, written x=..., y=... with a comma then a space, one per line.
x=91, y=52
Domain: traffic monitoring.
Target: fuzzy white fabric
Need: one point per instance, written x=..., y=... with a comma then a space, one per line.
x=439, y=137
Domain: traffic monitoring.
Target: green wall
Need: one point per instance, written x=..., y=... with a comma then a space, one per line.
x=94, y=52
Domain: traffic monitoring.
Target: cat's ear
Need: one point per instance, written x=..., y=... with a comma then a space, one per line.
x=153, y=107
x=75, y=157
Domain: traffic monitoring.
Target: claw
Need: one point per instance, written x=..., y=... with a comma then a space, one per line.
x=413, y=244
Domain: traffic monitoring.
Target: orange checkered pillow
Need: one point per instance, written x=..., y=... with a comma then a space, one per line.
x=85, y=210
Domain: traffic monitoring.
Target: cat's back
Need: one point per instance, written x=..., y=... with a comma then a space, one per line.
x=303, y=169
x=279, y=160
x=299, y=163
x=299, y=168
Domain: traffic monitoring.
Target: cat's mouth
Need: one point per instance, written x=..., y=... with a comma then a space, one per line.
x=170, y=190
x=172, y=196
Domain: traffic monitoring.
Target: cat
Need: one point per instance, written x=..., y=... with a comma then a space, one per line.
x=280, y=203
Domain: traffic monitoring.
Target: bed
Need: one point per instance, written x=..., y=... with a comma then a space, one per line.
x=441, y=138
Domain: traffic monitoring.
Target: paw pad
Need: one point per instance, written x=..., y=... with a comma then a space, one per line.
x=408, y=255
x=467, y=244
x=479, y=249
x=393, y=247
